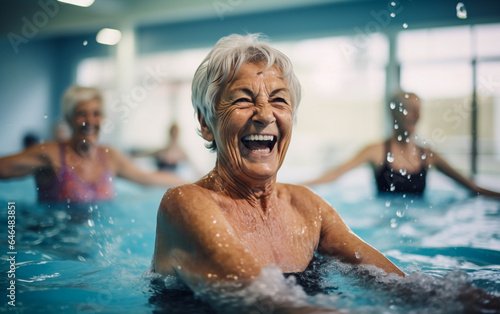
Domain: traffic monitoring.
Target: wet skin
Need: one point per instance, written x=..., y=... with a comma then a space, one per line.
x=238, y=219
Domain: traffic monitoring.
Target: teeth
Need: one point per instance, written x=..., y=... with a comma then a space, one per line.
x=262, y=151
x=258, y=137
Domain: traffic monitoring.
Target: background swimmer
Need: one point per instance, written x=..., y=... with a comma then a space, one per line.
x=79, y=169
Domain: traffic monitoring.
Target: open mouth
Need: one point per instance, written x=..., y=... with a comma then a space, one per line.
x=88, y=129
x=259, y=143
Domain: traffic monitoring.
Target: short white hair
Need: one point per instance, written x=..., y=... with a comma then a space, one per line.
x=222, y=64
x=75, y=95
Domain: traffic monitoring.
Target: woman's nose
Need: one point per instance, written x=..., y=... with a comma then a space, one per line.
x=264, y=114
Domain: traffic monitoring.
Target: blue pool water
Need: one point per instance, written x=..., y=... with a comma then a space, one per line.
x=94, y=258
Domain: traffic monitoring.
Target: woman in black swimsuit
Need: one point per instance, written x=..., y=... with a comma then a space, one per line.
x=400, y=165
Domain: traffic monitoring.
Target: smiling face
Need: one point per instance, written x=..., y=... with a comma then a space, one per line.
x=253, y=124
x=86, y=121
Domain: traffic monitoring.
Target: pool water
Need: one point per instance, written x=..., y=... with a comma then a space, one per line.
x=94, y=258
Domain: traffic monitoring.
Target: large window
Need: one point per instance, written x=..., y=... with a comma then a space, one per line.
x=343, y=103
x=443, y=66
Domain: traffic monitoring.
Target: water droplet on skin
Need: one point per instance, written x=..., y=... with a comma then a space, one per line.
x=387, y=203
x=358, y=255
x=461, y=11
x=424, y=156
x=179, y=267
x=215, y=221
x=400, y=138
x=402, y=171
x=406, y=133
x=405, y=112
x=406, y=95
x=110, y=179
x=415, y=137
x=392, y=105
x=73, y=167
x=390, y=157
x=407, y=140
x=106, y=150
x=83, y=123
x=394, y=224
x=217, y=235
x=396, y=126
x=400, y=213
x=400, y=109
x=409, y=176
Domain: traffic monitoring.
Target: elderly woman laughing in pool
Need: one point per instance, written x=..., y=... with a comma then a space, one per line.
x=238, y=219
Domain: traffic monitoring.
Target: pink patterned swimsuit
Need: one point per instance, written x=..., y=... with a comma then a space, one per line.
x=67, y=185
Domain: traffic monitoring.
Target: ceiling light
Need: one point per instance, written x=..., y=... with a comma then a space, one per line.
x=80, y=3
x=108, y=36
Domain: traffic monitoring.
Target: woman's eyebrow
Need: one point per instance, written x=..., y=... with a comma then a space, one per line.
x=277, y=91
x=246, y=91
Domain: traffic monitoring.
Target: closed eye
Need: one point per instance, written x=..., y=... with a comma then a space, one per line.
x=242, y=100
x=279, y=99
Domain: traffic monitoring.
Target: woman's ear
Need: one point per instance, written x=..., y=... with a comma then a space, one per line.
x=206, y=133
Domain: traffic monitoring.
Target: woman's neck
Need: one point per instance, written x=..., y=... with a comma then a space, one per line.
x=256, y=193
x=82, y=147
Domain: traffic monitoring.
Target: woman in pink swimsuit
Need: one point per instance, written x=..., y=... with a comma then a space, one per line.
x=79, y=170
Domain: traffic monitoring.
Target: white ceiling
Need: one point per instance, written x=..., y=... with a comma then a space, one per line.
x=71, y=19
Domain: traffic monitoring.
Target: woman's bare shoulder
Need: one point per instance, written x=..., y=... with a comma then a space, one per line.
x=187, y=197
x=298, y=194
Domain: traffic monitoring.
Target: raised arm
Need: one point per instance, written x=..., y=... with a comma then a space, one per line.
x=365, y=155
x=339, y=241
x=125, y=168
x=25, y=162
x=445, y=168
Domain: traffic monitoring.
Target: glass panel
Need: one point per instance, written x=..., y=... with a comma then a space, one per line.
x=434, y=44
x=445, y=91
x=343, y=85
x=487, y=39
x=488, y=92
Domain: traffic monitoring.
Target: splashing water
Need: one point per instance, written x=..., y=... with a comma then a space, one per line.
x=402, y=171
x=424, y=156
x=400, y=138
x=396, y=126
x=461, y=11
x=390, y=157
x=394, y=224
x=393, y=105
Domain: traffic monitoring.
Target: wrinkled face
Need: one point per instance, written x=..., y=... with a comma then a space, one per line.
x=254, y=121
x=408, y=116
x=86, y=121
